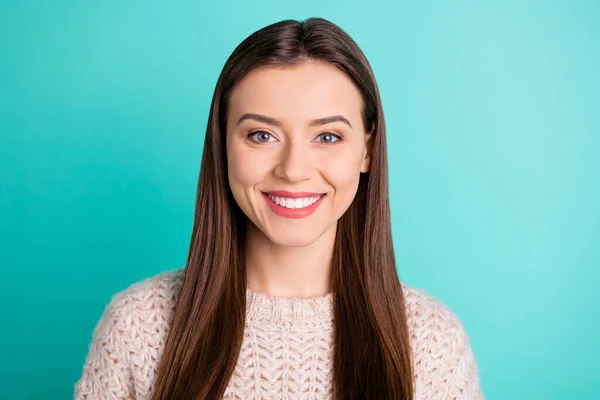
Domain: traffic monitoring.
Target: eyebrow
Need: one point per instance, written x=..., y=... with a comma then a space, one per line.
x=274, y=122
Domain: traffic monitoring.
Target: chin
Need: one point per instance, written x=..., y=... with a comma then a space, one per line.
x=294, y=237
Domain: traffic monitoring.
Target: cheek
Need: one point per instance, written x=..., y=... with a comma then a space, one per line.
x=342, y=169
x=245, y=170
x=343, y=173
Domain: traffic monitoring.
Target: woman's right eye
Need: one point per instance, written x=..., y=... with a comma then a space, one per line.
x=260, y=137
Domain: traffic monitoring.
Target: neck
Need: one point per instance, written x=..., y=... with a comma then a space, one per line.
x=284, y=271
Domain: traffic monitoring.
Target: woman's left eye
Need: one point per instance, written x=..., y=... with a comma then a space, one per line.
x=328, y=137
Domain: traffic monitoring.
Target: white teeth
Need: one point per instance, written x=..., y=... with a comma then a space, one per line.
x=294, y=203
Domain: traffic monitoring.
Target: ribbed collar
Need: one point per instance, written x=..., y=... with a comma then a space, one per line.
x=263, y=308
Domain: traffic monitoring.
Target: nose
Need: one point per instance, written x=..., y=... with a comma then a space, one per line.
x=295, y=164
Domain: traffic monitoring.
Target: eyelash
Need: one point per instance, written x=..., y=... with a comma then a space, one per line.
x=338, y=137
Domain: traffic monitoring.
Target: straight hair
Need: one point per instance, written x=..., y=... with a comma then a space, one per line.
x=372, y=356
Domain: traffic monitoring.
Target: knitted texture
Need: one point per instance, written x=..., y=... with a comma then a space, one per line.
x=287, y=349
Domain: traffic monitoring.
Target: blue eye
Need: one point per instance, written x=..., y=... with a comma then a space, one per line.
x=260, y=136
x=328, y=137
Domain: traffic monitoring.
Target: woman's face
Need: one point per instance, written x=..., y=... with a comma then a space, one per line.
x=296, y=146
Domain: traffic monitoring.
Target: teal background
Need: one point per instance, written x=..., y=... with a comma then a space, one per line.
x=493, y=122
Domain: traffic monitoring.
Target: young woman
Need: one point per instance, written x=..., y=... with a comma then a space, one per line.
x=290, y=289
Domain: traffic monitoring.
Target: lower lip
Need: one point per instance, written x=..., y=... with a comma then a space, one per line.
x=293, y=212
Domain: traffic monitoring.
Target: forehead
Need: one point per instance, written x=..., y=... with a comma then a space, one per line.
x=295, y=93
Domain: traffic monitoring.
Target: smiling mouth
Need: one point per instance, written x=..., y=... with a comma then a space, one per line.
x=295, y=202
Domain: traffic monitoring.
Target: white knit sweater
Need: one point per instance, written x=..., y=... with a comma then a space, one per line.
x=286, y=351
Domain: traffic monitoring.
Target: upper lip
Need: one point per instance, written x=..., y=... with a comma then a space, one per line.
x=293, y=195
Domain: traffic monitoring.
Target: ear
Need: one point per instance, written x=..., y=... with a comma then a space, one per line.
x=369, y=140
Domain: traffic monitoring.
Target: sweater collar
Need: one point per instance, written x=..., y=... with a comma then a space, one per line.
x=286, y=311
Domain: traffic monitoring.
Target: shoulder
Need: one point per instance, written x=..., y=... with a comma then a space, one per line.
x=444, y=364
x=431, y=322
x=122, y=358
x=162, y=288
x=147, y=302
x=427, y=313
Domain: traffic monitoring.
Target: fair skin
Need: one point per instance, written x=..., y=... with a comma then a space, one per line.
x=290, y=256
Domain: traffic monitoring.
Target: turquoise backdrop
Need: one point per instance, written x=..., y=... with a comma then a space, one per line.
x=493, y=117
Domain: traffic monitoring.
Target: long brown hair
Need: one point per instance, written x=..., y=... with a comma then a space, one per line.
x=372, y=356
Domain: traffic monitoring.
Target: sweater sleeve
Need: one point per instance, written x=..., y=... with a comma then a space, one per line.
x=459, y=369
x=106, y=371
x=444, y=363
